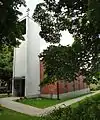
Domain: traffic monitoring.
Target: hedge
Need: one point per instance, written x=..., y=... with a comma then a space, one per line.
x=88, y=109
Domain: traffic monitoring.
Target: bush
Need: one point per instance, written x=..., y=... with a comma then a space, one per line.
x=94, y=87
x=88, y=109
x=98, y=87
x=18, y=100
x=1, y=110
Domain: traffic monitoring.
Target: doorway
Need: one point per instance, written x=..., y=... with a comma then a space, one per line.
x=19, y=87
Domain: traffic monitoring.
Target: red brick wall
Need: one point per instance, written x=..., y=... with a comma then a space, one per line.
x=64, y=86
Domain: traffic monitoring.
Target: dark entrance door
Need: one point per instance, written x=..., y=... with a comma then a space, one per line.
x=22, y=88
x=19, y=86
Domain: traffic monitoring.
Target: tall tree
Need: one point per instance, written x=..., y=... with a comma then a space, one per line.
x=10, y=27
x=93, y=13
x=58, y=62
x=84, y=54
x=6, y=63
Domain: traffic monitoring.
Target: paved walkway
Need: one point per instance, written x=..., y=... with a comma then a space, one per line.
x=22, y=108
x=29, y=110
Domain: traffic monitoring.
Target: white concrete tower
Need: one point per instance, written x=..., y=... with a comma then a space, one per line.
x=32, y=78
x=26, y=61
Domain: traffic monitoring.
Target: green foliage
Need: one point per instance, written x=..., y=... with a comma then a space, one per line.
x=10, y=27
x=94, y=87
x=6, y=63
x=58, y=61
x=45, y=102
x=6, y=114
x=93, y=13
x=84, y=54
x=88, y=109
x=41, y=102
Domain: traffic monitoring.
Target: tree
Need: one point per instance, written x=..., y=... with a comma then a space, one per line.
x=84, y=54
x=58, y=62
x=93, y=13
x=10, y=27
x=6, y=63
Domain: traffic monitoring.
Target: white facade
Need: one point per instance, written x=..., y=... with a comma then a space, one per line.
x=19, y=60
x=26, y=61
x=32, y=63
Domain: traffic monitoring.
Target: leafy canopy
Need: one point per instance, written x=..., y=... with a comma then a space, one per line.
x=10, y=27
x=80, y=18
x=6, y=63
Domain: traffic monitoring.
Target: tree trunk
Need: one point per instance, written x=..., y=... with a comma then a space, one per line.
x=58, y=90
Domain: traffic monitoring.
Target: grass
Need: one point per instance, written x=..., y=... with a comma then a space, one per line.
x=40, y=103
x=43, y=102
x=86, y=109
x=94, y=97
x=6, y=114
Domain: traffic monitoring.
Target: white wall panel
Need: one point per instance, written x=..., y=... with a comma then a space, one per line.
x=19, y=60
x=33, y=63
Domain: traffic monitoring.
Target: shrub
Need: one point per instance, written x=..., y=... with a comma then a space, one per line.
x=88, y=109
x=25, y=97
x=17, y=100
x=1, y=110
x=98, y=87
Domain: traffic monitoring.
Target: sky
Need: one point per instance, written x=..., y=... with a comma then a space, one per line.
x=66, y=36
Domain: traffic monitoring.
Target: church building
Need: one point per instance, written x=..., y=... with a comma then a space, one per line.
x=28, y=70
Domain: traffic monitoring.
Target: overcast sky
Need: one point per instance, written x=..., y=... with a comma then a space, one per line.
x=66, y=37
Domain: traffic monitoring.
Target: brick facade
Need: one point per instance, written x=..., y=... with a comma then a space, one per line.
x=64, y=86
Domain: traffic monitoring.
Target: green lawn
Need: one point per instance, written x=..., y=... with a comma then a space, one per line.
x=43, y=102
x=6, y=114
